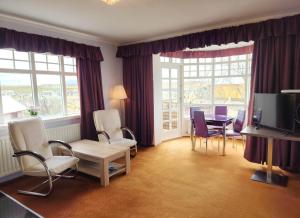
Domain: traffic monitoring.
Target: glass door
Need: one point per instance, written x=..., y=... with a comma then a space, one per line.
x=170, y=102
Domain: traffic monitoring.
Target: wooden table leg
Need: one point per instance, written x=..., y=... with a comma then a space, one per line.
x=269, y=160
x=127, y=162
x=192, y=137
x=104, y=173
x=224, y=139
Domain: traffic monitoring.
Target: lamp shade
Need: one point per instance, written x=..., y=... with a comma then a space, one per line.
x=119, y=92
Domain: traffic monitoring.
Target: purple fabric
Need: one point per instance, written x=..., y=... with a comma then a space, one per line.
x=139, y=108
x=91, y=96
x=37, y=43
x=192, y=110
x=239, y=121
x=221, y=110
x=201, y=129
x=209, y=54
x=275, y=66
x=254, y=31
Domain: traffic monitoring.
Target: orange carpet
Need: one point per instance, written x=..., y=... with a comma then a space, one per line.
x=170, y=181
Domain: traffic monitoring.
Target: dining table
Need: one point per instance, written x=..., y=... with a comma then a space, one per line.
x=221, y=121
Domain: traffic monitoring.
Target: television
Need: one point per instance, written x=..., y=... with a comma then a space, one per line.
x=278, y=111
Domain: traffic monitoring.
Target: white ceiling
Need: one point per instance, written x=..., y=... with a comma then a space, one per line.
x=141, y=20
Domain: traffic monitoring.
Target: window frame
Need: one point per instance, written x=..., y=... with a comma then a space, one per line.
x=213, y=77
x=32, y=72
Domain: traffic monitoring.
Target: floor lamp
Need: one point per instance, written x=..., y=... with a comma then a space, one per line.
x=119, y=93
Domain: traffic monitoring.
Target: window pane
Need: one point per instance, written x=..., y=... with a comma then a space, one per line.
x=50, y=96
x=21, y=56
x=6, y=54
x=233, y=110
x=7, y=64
x=73, y=101
x=174, y=73
x=165, y=84
x=22, y=65
x=68, y=60
x=52, y=58
x=165, y=73
x=69, y=68
x=230, y=90
x=16, y=93
x=41, y=66
x=40, y=57
x=53, y=67
x=197, y=91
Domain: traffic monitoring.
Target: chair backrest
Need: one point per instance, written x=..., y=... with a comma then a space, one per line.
x=192, y=110
x=200, y=124
x=221, y=110
x=239, y=121
x=108, y=121
x=29, y=134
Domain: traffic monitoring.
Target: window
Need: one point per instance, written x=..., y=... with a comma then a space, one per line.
x=216, y=81
x=44, y=81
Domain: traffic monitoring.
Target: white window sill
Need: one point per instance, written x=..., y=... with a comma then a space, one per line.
x=49, y=123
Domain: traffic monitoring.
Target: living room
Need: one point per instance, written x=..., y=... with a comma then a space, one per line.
x=126, y=108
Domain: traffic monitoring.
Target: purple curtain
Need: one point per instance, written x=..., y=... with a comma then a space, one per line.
x=209, y=54
x=139, y=108
x=88, y=68
x=254, y=31
x=91, y=96
x=37, y=43
x=275, y=66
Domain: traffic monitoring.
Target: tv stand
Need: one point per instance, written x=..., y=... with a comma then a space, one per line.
x=271, y=134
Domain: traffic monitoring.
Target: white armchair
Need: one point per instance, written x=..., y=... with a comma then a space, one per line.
x=108, y=126
x=32, y=148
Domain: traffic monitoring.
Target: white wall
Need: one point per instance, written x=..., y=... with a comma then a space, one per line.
x=111, y=67
x=157, y=100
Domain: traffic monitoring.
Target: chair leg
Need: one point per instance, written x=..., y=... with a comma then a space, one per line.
x=200, y=142
x=30, y=192
x=206, y=145
x=50, y=180
x=133, y=151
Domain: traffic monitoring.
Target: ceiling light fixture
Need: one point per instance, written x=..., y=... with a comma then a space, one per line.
x=110, y=2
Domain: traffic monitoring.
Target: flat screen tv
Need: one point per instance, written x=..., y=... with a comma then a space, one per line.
x=278, y=111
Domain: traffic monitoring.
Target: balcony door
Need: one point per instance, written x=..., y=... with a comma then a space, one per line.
x=171, y=123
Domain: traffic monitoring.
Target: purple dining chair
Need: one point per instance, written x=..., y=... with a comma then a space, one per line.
x=221, y=110
x=201, y=129
x=192, y=110
x=237, y=126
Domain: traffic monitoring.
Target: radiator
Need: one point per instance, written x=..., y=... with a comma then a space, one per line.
x=9, y=165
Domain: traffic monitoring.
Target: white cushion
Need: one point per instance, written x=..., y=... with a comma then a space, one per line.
x=29, y=135
x=110, y=122
x=55, y=164
x=124, y=142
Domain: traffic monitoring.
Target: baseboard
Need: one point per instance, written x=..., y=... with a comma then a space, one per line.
x=10, y=177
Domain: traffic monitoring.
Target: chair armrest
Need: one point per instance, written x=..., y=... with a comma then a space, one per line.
x=61, y=143
x=105, y=134
x=30, y=153
x=66, y=145
x=129, y=131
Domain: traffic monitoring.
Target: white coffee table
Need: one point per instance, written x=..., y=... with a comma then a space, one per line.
x=96, y=158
